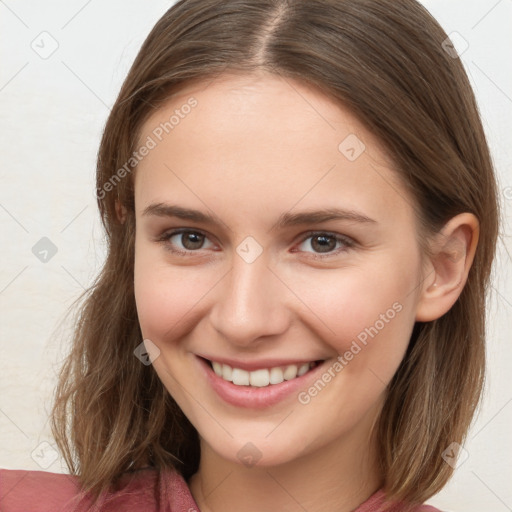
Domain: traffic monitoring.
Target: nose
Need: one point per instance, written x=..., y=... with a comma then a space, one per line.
x=251, y=303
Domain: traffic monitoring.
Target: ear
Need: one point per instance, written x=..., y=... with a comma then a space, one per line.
x=120, y=211
x=452, y=254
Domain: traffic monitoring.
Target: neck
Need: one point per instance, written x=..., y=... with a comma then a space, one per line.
x=338, y=476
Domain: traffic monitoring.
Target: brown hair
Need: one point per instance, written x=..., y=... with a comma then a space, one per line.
x=382, y=59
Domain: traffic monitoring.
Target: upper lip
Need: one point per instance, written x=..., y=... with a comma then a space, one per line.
x=259, y=364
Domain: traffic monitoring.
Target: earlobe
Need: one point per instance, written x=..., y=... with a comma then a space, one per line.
x=452, y=254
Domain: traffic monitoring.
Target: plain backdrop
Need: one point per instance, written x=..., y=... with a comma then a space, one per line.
x=62, y=64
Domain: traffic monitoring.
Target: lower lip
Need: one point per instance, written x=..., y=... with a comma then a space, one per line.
x=258, y=397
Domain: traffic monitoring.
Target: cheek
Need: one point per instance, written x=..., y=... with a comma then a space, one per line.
x=168, y=298
x=364, y=314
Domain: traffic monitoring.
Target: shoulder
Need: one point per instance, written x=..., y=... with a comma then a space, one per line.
x=146, y=489
x=36, y=491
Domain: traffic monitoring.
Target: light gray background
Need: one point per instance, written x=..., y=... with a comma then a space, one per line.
x=52, y=111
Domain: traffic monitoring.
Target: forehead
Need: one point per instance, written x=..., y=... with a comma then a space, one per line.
x=257, y=142
x=261, y=101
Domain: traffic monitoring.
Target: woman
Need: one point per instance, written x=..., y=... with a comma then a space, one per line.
x=291, y=313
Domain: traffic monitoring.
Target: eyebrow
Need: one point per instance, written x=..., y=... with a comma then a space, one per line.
x=286, y=219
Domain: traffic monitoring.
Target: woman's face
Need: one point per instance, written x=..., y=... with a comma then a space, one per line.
x=303, y=247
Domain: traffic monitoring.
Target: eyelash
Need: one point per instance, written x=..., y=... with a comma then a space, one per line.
x=346, y=241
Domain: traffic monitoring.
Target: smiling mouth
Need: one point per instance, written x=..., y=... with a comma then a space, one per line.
x=261, y=377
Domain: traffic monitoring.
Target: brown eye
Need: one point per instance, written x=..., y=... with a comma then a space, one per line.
x=327, y=244
x=322, y=243
x=183, y=241
x=192, y=240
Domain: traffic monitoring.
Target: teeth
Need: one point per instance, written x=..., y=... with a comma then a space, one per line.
x=260, y=378
x=240, y=377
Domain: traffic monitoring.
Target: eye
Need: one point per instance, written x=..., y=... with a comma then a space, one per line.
x=325, y=243
x=186, y=241
x=191, y=241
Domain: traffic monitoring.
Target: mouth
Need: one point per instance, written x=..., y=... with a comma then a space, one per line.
x=254, y=389
x=262, y=377
x=263, y=387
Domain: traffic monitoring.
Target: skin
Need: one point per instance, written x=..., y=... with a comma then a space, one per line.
x=255, y=147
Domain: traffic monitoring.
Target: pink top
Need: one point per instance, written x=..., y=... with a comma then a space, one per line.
x=145, y=490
